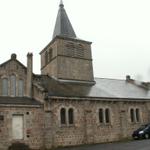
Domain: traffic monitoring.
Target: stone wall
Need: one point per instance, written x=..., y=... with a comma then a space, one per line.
x=71, y=59
x=86, y=128
x=43, y=128
x=79, y=69
x=32, y=128
x=13, y=67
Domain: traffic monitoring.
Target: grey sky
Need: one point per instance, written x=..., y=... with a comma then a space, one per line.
x=119, y=30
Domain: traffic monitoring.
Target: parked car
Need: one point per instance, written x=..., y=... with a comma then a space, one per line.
x=142, y=133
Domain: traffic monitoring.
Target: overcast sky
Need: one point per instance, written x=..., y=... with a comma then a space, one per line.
x=119, y=30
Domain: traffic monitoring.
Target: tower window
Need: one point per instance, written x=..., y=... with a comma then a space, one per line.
x=46, y=58
x=70, y=49
x=74, y=50
x=50, y=54
x=79, y=51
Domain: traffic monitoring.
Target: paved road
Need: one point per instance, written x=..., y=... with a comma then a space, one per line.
x=130, y=145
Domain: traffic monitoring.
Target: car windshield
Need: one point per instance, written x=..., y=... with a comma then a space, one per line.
x=147, y=127
x=144, y=126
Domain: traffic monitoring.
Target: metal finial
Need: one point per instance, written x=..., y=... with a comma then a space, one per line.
x=61, y=3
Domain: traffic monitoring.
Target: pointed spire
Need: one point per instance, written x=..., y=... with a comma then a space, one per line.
x=63, y=25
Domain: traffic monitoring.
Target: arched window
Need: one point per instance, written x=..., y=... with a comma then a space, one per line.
x=132, y=115
x=5, y=87
x=46, y=58
x=20, y=88
x=101, y=116
x=13, y=85
x=107, y=115
x=137, y=115
x=63, y=116
x=71, y=116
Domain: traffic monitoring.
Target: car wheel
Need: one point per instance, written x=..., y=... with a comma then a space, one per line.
x=146, y=136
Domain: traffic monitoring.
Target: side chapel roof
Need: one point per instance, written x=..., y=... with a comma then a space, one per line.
x=103, y=88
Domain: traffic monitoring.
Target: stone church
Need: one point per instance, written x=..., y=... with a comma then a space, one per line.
x=65, y=105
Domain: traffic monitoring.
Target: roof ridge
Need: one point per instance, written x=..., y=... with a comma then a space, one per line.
x=110, y=79
x=13, y=60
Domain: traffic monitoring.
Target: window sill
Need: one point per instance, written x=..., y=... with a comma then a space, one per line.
x=104, y=125
x=67, y=125
x=135, y=123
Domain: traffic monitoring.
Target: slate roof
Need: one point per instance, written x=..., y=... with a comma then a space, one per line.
x=18, y=101
x=104, y=88
x=118, y=89
x=63, y=25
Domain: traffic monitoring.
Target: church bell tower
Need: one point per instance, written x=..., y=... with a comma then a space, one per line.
x=66, y=57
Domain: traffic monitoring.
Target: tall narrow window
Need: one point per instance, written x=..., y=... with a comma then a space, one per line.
x=63, y=116
x=13, y=85
x=107, y=115
x=46, y=58
x=101, y=116
x=137, y=115
x=5, y=87
x=20, y=88
x=71, y=116
x=50, y=54
x=132, y=115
